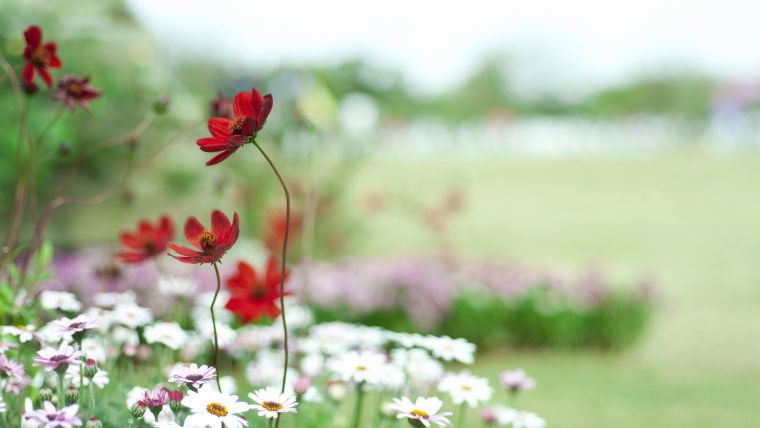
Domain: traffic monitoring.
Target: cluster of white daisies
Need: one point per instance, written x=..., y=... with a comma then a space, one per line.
x=329, y=362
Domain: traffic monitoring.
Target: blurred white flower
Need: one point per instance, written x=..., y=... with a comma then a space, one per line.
x=449, y=349
x=466, y=388
x=130, y=315
x=25, y=333
x=93, y=349
x=100, y=379
x=365, y=367
x=510, y=417
x=166, y=333
x=177, y=286
x=111, y=299
x=60, y=300
x=423, y=411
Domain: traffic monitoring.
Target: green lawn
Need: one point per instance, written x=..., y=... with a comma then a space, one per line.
x=690, y=220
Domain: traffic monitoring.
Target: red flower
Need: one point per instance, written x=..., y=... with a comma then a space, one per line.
x=274, y=233
x=38, y=56
x=75, y=90
x=149, y=240
x=221, y=106
x=212, y=243
x=252, y=296
x=227, y=135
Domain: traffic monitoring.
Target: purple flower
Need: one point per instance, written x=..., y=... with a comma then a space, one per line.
x=49, y=417
x=155, y=399
x=77, y=326
x=13, y=377
x=57, y=359
x=192, y=375
x=517, y=380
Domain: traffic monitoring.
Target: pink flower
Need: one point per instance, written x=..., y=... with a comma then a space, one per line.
x=77, y=326
x=49, y=417
x=57, y=359
x=155, y=399
x=517, y=380
x=192, y=375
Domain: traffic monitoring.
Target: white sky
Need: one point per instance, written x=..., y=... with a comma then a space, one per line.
x=556, y=44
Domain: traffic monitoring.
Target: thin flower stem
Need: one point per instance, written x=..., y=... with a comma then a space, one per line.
x=460, y=417
x=213, y=321
x=92, y=398
x=358, y=405
x=282, y=262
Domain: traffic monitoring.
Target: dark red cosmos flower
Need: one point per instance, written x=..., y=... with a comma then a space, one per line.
x=148, y=241
x=250, y=112
x=212, y=243
x=221, y=106
x=252, y=296
x=74, y=90
x=38, y=56
x=274, y=233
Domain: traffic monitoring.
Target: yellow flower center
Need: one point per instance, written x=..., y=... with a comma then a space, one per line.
x=271, y=406
x=420, y=413
x=361, y=368
x=466, y=388
x=74, y=89
x=217, y=409
x=207, y=240
x=236, y=127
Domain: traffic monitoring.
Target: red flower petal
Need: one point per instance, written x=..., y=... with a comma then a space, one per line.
x=27, y=74
x=220, y=157
x=266, y=108
x=131, y=257
x=46, y=77
x=184, y=251
x=219, y=127
x=257, y=101
x=220, y=225
x=193, y=230
x=243, y=105
x=33, y=36
x=166, y=227
x=212, y=144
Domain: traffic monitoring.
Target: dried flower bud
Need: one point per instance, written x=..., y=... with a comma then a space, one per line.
x=30, y=88
x=71, y=396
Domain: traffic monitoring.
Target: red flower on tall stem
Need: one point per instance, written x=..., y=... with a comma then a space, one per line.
x=213, y=243
x=38, y=56
x=250, y=112
x=253, y=296
x=74, y=90
x=148, y=241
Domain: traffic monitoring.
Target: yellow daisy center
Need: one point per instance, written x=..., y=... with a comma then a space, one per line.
x=466, y=388
x=420, y=413
x=272, y=406
x=217, y=409
x=361, y=368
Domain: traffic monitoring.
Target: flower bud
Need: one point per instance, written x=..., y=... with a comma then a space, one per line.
x=90, y=368
x=30, y=88
x=93, y=423
x=64, y=150
x=161, y=104
x=137, y=411
x=46, y=394
x=175, y=400
x=71, y=396
x=488, y=416
x=302, y=385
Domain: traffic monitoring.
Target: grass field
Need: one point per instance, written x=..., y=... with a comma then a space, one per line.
x=690, y=220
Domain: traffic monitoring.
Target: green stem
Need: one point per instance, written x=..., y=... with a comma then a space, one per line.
x=92, y=399
x=213, y=321
x=282, y=266
x=61, y=396
x=460, y=417
x=358, y=405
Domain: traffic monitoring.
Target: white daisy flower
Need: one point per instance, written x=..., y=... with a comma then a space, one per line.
x=121, y=335
x=176, y=286
x=270, y=402
x=211, y=408
x=449, y=349
x=25, y=333
x=94, y=350
x=100, y=379
x=364, y=367
x=60, y=300
x=421, y=369
x=111, y=299
x=466, y=388
x=224, y=332
x=130, y=315
x=507, y=416
x=423, y=411
x=166, y=333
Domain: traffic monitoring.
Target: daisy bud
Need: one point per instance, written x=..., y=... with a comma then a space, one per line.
x=93, y=423
x=31, y=88
x=302, y=385
x=488, y=416
x=175, y=400
x=137, y=411
x=90, y=368
x=71, y=396
x=46, y=394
